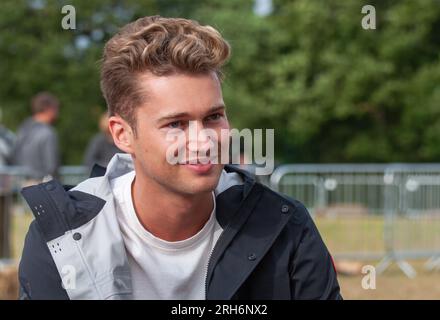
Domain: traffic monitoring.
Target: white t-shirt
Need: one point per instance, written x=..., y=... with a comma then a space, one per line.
x=162, y=269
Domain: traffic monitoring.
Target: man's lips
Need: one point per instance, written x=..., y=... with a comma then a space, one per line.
x=199, y=161
x=199, y=167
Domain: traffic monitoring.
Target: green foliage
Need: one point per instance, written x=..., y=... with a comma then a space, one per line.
x=333, y=91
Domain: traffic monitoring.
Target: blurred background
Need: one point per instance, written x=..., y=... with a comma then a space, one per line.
x=356, y=115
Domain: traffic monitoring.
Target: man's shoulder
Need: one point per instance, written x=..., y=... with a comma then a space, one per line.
x=276, y=202
x=47, y=130
x=58, y=208
x=97, y=140
x=40, y=131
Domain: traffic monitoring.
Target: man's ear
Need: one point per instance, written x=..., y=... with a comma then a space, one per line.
x=122, y=133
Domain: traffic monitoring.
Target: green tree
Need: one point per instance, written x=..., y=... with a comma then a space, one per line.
x=333, y=91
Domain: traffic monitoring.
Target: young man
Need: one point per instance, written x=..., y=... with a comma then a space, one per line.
x=150, y=229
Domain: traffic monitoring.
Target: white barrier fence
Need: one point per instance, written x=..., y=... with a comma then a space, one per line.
x=374, y=211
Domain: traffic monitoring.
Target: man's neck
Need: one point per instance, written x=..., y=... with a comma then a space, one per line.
x=42, y=118
x=168, y=215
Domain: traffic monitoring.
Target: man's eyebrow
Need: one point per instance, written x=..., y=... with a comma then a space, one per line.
x=219, y=107
x=186, y=114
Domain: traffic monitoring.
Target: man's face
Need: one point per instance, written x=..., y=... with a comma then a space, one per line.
x=173, y=103
x=53, y=113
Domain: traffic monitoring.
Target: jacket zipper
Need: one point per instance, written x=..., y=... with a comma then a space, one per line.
x=209, y=261
x=227, y=227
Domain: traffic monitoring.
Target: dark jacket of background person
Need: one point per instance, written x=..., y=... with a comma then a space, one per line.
x=270, y=247
x=37, y=149
x=100, y=150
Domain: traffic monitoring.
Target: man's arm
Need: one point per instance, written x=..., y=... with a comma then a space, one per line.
x=37, y=273
x=50, y=153
x=313, y=275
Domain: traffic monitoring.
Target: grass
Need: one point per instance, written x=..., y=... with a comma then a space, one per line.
x=342, y=235
x=366, y=234
x=361, y=234
x=20, y=224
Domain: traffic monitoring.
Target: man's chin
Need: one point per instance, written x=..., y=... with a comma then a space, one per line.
x=200, y=178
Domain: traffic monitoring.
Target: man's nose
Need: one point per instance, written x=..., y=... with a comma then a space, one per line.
x=199, y=139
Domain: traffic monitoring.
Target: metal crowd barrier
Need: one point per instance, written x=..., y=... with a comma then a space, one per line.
x=371, y=211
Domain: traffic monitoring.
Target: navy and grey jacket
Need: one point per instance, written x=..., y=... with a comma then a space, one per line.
x=269, y=247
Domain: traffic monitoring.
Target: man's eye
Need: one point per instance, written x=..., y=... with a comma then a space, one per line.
x=214, y=117
x=175, y=124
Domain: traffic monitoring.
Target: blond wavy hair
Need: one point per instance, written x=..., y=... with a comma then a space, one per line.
x=160, y=46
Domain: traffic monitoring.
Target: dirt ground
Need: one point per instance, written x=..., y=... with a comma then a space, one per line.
x=393, y=284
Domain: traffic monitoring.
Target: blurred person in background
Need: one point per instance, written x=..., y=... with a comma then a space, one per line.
x=7, y=141
x=101, y=147
x=36, y=147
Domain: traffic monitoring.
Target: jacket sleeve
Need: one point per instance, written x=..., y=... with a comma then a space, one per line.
x=313, y=274
x=37, y=273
